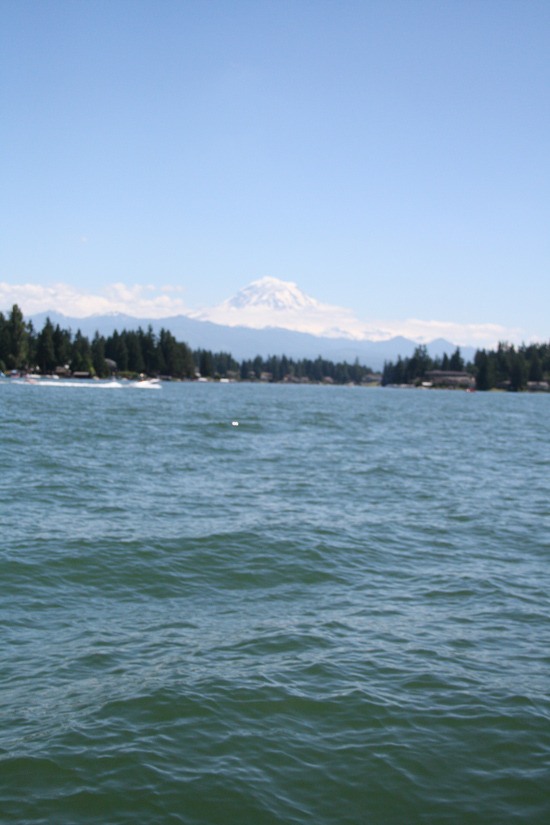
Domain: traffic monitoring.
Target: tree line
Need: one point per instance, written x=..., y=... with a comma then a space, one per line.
x=137, y=352
x=506, y=367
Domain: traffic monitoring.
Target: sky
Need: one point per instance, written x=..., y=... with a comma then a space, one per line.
x=387, y=156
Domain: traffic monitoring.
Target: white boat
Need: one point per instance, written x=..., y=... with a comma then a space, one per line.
x=148, y=384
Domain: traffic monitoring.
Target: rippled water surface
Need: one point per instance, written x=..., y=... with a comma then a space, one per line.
x=336, y=612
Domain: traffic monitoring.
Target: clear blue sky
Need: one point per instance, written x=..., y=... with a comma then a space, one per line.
x=392, y=157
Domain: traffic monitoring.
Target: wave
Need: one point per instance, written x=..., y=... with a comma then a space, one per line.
x=152, y=384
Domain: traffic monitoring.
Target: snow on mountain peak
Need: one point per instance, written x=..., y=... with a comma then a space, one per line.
x=272, y=294
x=270, y=302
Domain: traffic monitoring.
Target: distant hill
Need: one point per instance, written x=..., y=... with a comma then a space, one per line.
x=245, y=342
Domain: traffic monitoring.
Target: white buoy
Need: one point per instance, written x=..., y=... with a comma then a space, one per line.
x=234, y=423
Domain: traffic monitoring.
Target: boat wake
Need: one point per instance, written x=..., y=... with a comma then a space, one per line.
x=152, y=384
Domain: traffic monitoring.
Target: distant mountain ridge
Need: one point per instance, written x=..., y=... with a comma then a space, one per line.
x=268, y=317
x=246, y=342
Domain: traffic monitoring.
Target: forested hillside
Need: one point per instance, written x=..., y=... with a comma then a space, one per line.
x=506, y=367
x=136, y=352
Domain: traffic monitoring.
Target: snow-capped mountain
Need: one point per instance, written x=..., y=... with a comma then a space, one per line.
x=269, y=306
x=272, y=303
x=272, y=293
x=269, y=316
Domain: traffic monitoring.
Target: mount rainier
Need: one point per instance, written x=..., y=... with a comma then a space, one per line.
x=268, y=317
x=270, y=303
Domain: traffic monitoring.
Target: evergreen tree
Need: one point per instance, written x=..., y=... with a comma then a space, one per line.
x=258, y=366
x=135, y=352
x=535, y=367
x=544, y=355
x=518, y=371
x=316, y=372
x=502, y=362
x=17, y=339
x=188, y=361
x=415, y=368
x=31, y=344
x=176, y=358
x=62, y=346
x=456, y=362
x=149, y=351
x=285, y=367
x=485, y=370
x=170, y=354
x=116, y=350
x=356, y=372
x=45, y=348
x=341, y=374
x=98, y=356
x=274, y=367
x=206, y=364
x=4, y=342
x=81, y=354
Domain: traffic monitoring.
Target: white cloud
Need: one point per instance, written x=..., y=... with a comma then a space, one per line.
x=270, y=302
x=137, y=300
x=476, y=335
x=321, y=319
x=149, y=301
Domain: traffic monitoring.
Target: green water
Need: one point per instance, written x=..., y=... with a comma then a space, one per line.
x=335, y=613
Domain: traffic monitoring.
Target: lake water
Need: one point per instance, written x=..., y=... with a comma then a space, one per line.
x=335, y=613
